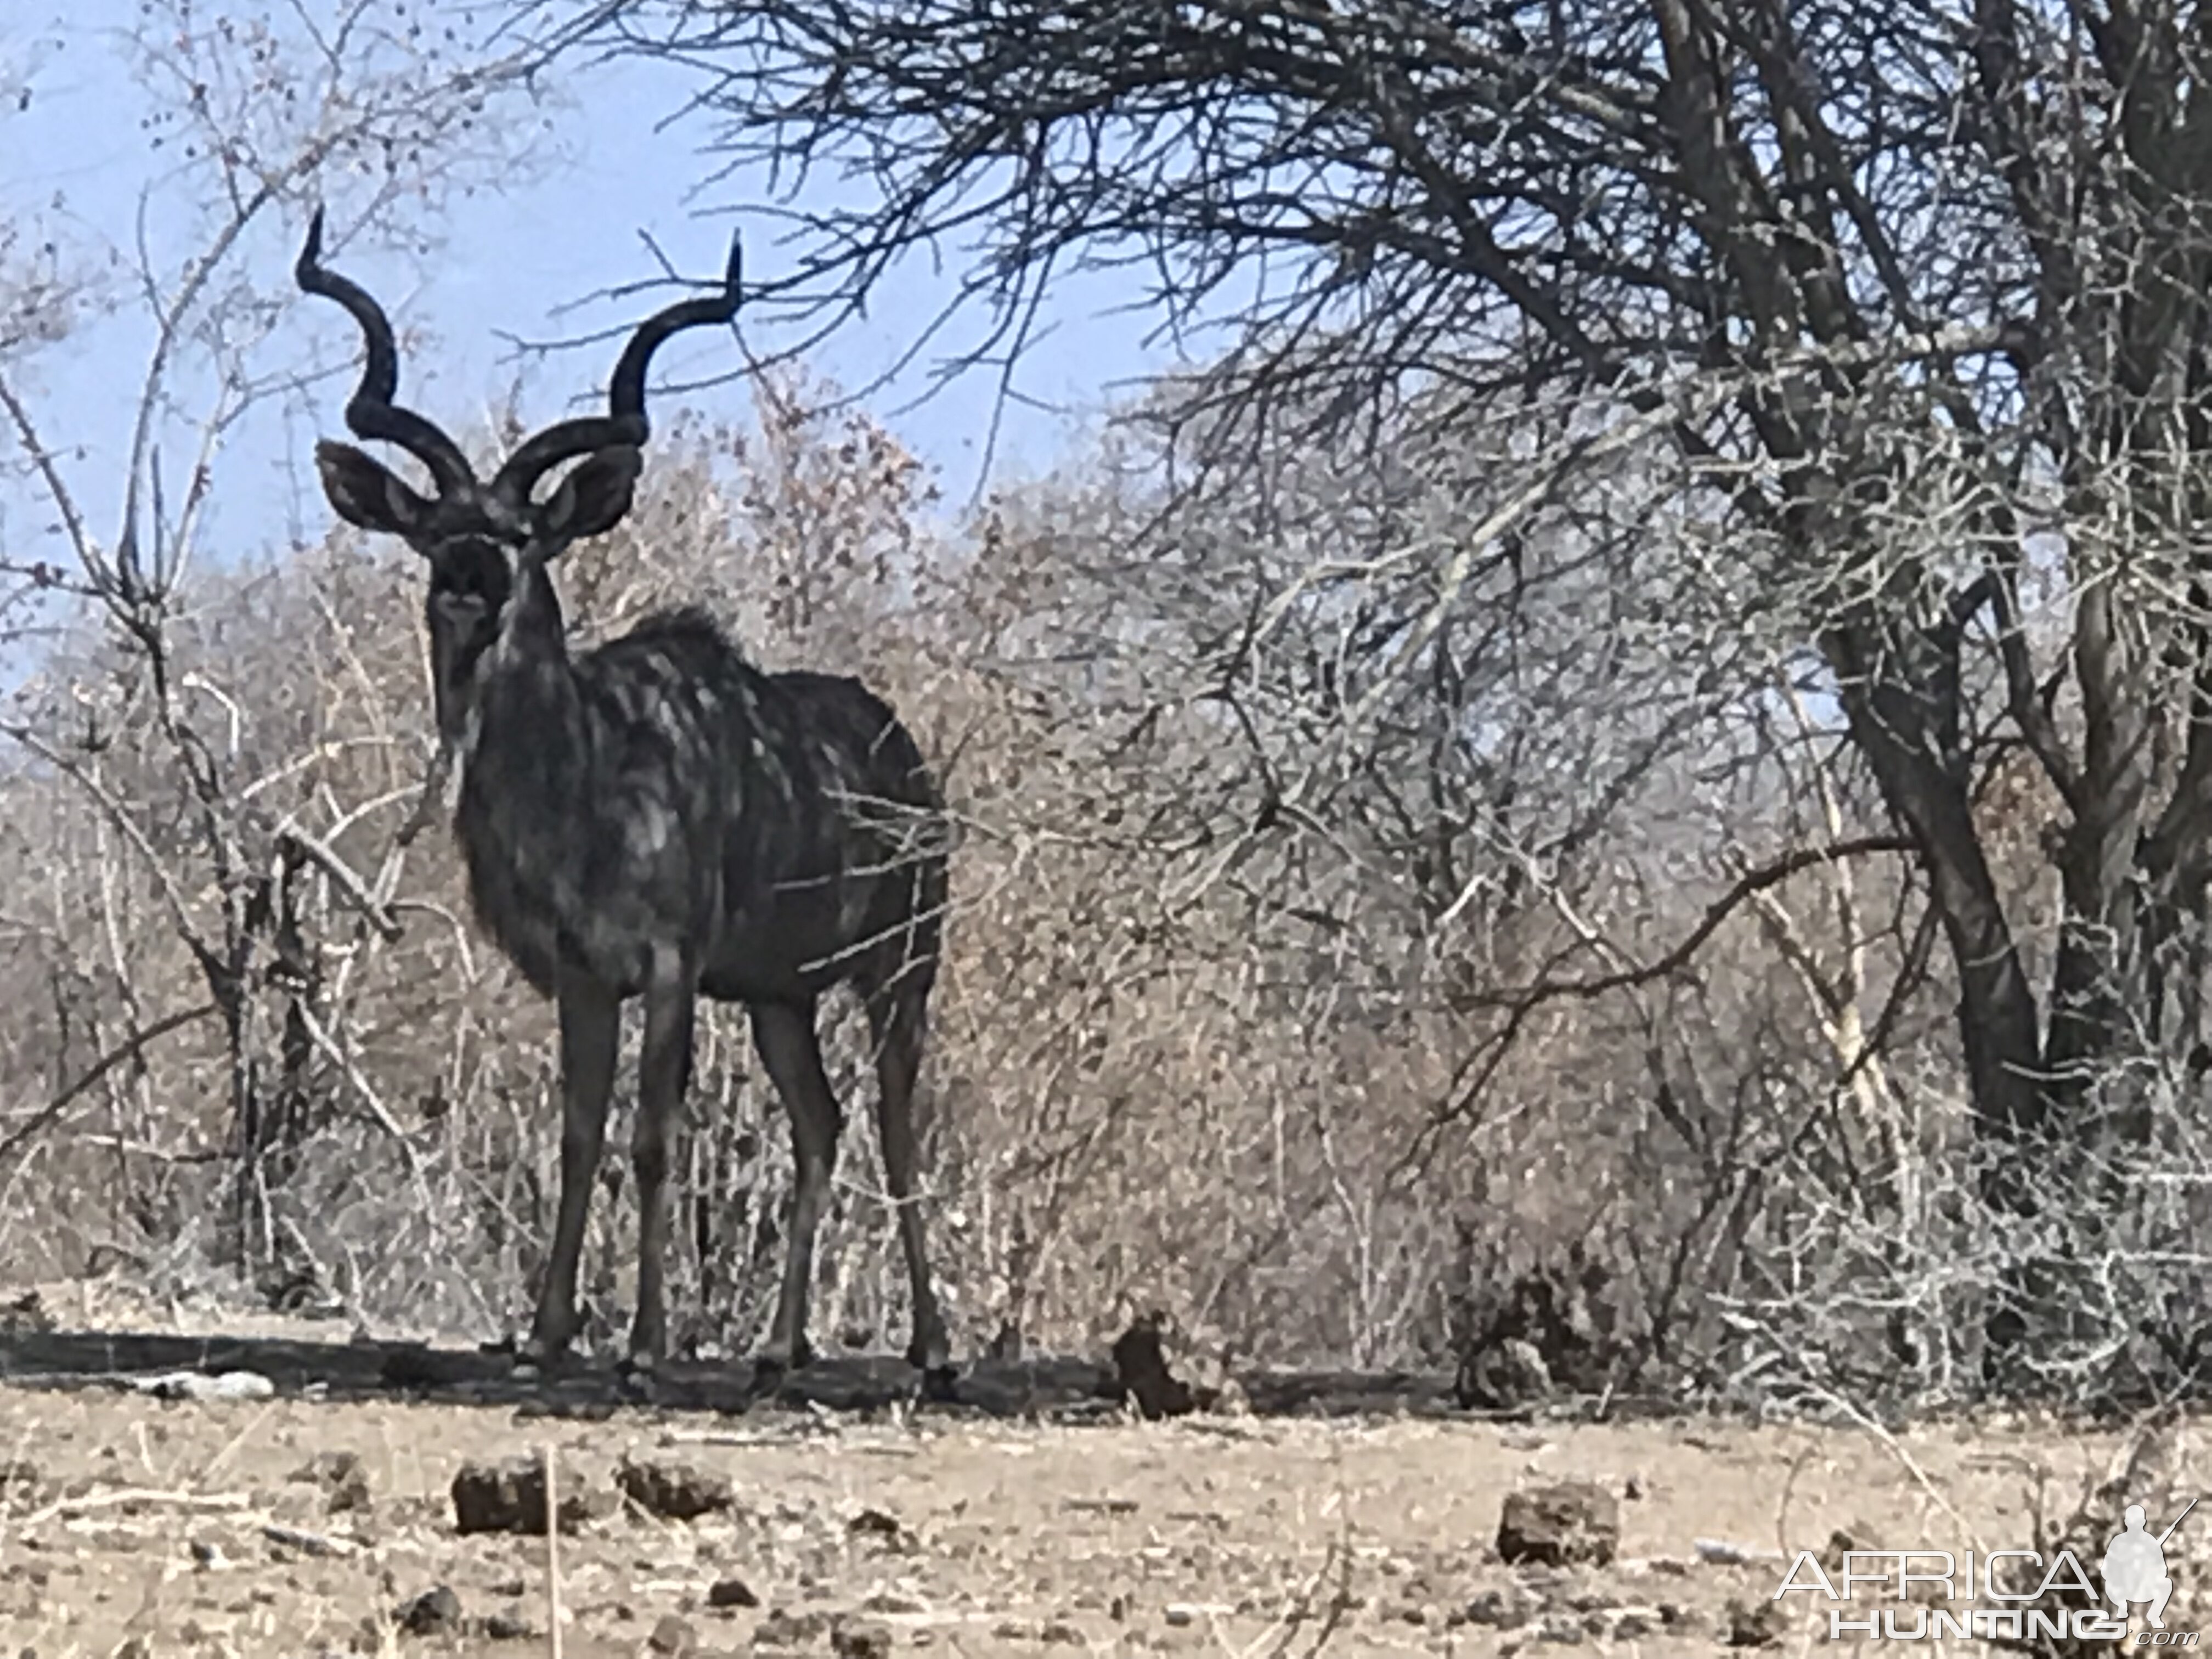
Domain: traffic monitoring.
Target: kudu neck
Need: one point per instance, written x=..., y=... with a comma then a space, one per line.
x=528, y=756
x=534, y=622
x=517, y=682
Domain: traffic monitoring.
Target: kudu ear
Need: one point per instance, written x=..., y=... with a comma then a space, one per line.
x=365, y=492
x=592, y=498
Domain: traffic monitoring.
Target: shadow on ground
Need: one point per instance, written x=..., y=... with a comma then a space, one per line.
x=1052, y=1390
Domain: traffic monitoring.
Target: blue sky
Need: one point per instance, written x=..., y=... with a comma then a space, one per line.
x=518, y=259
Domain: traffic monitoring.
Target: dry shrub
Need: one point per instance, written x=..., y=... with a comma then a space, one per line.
x=1228, y=1024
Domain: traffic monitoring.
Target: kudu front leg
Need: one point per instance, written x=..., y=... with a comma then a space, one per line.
x=665, y=1071
x=591, y=1030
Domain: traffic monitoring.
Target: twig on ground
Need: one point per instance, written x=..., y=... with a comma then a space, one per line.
x=61, y=1508
x=552, y=1554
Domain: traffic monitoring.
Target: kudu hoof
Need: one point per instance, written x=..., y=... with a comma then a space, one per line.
x=637, y=1376
x=535, y=1360
x=940, y=1383
x=772, y=1369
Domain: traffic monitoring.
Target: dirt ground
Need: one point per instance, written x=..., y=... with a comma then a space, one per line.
x=211, y=1527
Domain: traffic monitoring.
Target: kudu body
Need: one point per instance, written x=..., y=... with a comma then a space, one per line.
x=658, y=818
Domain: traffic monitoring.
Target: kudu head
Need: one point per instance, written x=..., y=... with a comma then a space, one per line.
x=487, y=544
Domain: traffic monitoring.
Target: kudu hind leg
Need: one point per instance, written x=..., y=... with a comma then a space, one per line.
x=591, y=1032
x=792, y=1052
x=896, y=1019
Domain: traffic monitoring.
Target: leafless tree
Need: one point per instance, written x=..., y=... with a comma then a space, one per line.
x=256, y=106
x=1914, y=297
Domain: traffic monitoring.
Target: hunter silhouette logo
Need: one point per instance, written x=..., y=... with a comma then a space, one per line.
x=1933, y=1593
x=2135, y=1564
